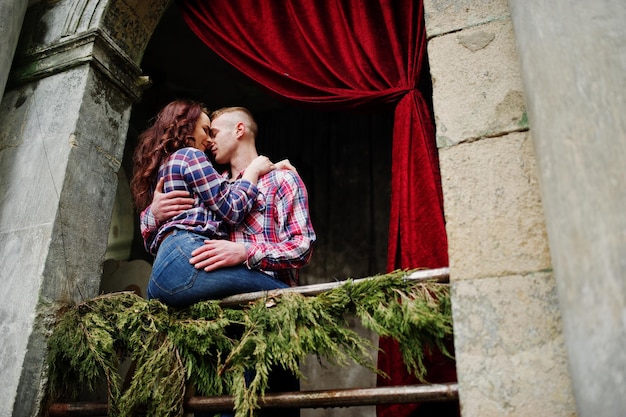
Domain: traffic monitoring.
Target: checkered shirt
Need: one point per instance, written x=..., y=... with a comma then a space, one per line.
x=216, y=199
x=277, y=232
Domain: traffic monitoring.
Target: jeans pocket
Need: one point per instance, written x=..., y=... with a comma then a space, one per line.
x=172, y=272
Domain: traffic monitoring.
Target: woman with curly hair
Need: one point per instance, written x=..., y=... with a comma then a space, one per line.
x=172, y=151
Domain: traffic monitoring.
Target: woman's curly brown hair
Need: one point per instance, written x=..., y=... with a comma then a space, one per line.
x=171, y=130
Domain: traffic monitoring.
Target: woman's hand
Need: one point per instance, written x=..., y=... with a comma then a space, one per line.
x=261, y=165
x=285, y=164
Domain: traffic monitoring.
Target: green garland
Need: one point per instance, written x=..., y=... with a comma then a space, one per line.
x=175, y=348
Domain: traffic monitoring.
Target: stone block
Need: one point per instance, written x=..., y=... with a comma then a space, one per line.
x=145, y=16
x=444, y=16
x=35, y=140
x=127, y=29
x=494, y=216
x=477, y=89
x=511, y=359
x=23, y=252
x=149, y=13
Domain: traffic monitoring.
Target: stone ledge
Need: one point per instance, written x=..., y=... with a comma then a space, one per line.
x=93, y=47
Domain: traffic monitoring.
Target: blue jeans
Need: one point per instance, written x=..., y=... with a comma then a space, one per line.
x=176, y=282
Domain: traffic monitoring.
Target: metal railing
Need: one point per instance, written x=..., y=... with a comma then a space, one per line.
x=404, y=394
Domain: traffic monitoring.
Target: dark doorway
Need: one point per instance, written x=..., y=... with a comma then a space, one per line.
x=343, y=158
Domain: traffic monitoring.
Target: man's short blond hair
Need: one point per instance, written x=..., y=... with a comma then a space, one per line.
x=243, y=112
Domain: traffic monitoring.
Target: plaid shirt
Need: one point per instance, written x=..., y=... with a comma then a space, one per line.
x=216, y=199
x=277, y=232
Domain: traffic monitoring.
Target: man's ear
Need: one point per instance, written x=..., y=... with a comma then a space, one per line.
x=240, y=130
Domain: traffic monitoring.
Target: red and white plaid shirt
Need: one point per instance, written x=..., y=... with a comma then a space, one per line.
x=277, y=232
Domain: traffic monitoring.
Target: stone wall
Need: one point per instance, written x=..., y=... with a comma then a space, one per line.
x=573, y=57
x=510, y=352
x=63, y=122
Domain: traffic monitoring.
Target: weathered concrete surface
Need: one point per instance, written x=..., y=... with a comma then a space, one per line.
x=478, y=89
x=63, y=126
x=60, y=146
x=321, y=375
x=494, y=215
x=11, y=18
x=31, y=172
x=573, y=58
x=510, y=349
x=445, y=16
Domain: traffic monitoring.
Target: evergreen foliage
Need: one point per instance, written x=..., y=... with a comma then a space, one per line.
x=210, y=347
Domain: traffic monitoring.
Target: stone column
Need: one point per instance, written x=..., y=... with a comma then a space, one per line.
x=62, y=132
x=11, y=17
x=509, y=347
x=573, y=58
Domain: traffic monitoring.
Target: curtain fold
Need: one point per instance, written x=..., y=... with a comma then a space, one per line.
x=417, y=236
x=347, y=54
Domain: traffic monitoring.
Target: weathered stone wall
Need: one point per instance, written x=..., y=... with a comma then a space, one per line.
x=509, y=347
x=60, y=147
x=63, y=122
x=573, y=57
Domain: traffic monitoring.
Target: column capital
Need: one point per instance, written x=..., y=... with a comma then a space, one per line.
x=94, y=47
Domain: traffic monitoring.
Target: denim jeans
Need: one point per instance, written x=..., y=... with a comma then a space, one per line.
x=176, y=282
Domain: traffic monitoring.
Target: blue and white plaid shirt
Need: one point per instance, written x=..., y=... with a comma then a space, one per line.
x=216, y=199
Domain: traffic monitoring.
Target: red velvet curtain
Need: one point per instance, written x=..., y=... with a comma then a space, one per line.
x=346, y=54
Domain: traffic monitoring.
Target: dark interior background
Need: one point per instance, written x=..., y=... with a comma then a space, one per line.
x=344, y=158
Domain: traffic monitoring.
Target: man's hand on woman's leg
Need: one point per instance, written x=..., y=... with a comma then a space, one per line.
x=216, y=254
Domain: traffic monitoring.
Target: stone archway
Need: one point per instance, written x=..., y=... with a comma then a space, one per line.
x=63, y=122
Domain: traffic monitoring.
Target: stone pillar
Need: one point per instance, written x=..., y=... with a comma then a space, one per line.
x=11, y=17
x=510, y=351
x=573, y=57
x=63, y=127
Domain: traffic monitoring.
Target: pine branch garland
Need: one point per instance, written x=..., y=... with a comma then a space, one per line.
x=212, y=348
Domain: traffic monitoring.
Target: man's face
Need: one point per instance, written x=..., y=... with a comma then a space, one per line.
x=223, y=142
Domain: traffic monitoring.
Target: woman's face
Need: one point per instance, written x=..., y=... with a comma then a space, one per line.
x=201, y=132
